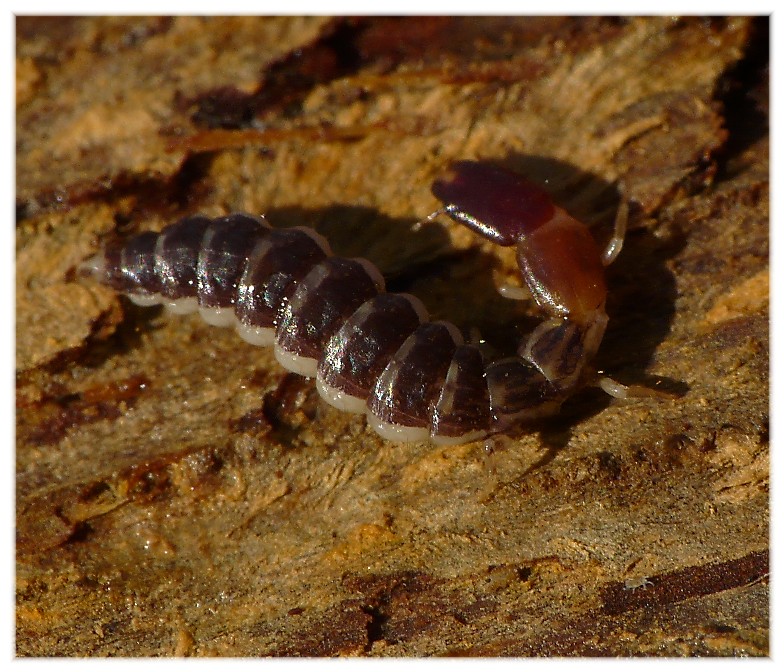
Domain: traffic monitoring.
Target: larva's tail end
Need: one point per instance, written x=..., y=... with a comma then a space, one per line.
x=94, y=267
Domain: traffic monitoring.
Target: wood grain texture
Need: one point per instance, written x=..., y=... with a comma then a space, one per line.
x=177, y=493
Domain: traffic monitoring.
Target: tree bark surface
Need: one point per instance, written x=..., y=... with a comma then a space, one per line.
x=178, y=493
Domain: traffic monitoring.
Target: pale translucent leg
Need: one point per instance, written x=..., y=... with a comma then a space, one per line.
x=615, y=244
x=611, y=252
x=514, y=292
x=615, y=389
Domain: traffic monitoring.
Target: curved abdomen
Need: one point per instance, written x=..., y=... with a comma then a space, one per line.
x=329, y=317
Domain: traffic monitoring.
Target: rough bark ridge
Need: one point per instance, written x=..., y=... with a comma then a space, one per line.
x=177, y=493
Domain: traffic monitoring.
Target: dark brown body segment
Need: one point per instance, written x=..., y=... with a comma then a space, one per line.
x=226, y=245
x=277, y=262
x=177, y=256
x=563, y=346
x=463, y=407
x=324, y=298
x=131, y=268
x=358, y=352
x=406, y=392
x=519, y=392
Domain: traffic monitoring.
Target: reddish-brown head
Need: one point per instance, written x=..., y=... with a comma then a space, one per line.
x=500, y=205
x=559, y=260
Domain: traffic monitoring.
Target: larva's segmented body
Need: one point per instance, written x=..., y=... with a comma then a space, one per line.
x=374, y=352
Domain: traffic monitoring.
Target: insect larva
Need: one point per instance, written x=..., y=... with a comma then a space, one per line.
x=377, y=353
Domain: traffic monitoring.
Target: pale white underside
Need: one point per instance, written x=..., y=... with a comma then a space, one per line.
x=339, y=399
x=183, y=306
x=146, y=299
x=304, y=366
x=399, y=433
x=468, y=437
x=514, y=292
x=218, y=317
x=263, y=337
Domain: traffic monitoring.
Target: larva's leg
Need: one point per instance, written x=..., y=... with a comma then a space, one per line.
x=514, y=292
x=619, y=391
x=615, y=243
x=511, y=292
x=560, y=347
